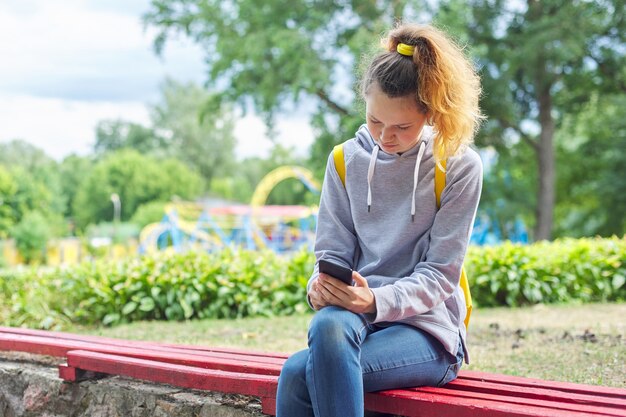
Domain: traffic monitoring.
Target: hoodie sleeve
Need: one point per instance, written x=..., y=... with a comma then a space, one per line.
x=437, y=277
x=335, y=235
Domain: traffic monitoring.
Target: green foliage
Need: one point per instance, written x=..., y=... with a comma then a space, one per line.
x=113, y=135
x=37, y=184
x=8, y=189
x=239, y=283
x=137, y=179
x=592, y=145
x=151, y=212
x=233, y=188
x=73, y=170
x=275, y=56
x=119, y=233
x=508, y=189
x=197, y=131
x=565, y=270
x=248, y=173
x=31, y=235
x=264, y=53
x=228, y=284
x=37, y=176
x=541, y=62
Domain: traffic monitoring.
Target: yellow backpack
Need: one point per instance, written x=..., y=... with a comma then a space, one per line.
x=440, y=184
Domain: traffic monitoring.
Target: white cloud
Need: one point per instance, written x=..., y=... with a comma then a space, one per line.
x=61, y=127
x=64, y=66
x=253, y=141
x=67, y=50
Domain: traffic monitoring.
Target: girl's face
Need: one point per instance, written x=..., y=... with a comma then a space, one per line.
x=395, y=123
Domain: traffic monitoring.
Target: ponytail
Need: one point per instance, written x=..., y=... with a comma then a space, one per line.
x=439, y=76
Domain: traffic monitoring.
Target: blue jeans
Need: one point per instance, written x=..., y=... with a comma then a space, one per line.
x=347, y=357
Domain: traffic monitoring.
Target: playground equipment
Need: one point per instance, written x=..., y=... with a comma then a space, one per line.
x=487, y=232
x=188, y=225
x=271, y=180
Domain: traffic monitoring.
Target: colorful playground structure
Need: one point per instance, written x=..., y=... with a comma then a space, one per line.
x=191, y=225
x=187, y=225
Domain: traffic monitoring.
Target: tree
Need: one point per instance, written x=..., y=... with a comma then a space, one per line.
x=591, y=149
x=73, y=170
x=31, y=236
x=37, y=175
x=113, y=135
x=541, y=60
x=271, y=55
x=241, y=185
x=196, y=131
x=137, y=179
x=38, y=185
x=8, y=189
x=508, y=191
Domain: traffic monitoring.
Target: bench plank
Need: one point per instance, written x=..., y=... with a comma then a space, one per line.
x=532, y=394
x=421, y=402
x=473, y=393
x=59, y=348
x=520, y=398
x=263, y=386
x=519, y=381
x=424, y=402
x=280, y=357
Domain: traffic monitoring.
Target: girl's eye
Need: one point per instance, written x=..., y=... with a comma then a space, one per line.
x=376, y=122
x=403, y=128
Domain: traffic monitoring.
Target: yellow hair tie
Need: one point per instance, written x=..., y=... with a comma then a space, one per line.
x=404, y=49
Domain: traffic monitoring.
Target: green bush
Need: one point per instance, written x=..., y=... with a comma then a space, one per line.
x=152, y=212
x=238, y=283
x=228, y=284
x=31, y=235
x=548, y=272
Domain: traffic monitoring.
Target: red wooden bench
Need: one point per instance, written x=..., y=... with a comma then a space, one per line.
x=476, y=394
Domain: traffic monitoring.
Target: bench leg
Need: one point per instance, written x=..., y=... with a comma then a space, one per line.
x=69, y=373
x=268, y=405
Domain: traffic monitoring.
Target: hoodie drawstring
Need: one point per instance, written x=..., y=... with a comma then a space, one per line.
x=415, y=176
x=370, y=175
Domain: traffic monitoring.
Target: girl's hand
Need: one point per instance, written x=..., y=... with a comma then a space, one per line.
x=315, y=297
x=358, y=298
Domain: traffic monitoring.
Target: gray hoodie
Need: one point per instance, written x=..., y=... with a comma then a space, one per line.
x=412, y=265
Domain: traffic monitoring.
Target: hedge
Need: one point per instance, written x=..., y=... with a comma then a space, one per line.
x=239, y=283
x=565, y=270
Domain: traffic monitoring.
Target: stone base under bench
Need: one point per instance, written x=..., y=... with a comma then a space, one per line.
x=30, y=386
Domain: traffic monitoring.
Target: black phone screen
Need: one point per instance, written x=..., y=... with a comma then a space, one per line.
x=336, y=271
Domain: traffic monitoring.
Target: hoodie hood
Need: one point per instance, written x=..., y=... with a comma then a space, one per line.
x=365, y=139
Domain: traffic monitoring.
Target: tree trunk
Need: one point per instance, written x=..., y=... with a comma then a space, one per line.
x=545, y=157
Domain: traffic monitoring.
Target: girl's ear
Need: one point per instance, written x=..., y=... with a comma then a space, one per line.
x=429, y=118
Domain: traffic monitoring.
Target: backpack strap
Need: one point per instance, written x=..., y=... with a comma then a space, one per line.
x=440, y=181
x=440, y=184
x=340, y=163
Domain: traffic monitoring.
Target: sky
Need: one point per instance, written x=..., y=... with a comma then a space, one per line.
x=66, y=65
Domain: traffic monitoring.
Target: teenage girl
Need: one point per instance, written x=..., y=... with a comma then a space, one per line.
x=402, y=322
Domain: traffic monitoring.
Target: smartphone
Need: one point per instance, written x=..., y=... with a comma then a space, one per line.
x=336, y=271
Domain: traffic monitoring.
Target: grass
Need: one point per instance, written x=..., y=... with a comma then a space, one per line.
x=576, y=343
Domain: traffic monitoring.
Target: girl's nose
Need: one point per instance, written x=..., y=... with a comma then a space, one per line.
x=383, y=136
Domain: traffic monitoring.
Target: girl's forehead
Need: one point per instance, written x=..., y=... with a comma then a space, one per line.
x=395, y=110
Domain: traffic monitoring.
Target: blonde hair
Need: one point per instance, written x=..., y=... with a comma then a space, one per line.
x=441, y=78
